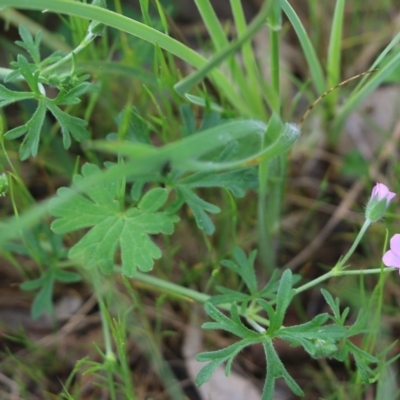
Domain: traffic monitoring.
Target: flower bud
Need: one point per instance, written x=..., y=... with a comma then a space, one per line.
x=378, y=202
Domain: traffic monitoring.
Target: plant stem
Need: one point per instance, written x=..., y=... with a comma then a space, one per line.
x=341, y=262
x=171, y=288
x=274, y=21
x=85, y=42
x=103, y=310
x=341, y=273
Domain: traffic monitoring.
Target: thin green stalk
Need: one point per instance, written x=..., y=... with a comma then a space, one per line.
x=363, y=229
x=110, y=357
x=308, y=49
x=177, y=290
x=376, y=305
x=84, y=43
x=334, y=53
x=252, y=78
x=186, y=84
x=357, y=97
x=212, y=23
x=267, y=251
x=171, y=288
x=265, y=226
x=275, y=25
x=103, y=310
x=332, y=273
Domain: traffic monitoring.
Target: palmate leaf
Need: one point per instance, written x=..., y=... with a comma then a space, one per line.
x=69, y=94
x=237, y=182
x=69, y=124
x=112, y=227
x=32, y=129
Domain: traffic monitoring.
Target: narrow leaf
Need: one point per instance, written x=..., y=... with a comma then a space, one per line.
x=284, y=296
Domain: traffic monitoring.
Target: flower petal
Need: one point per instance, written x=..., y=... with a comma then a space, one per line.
x=395, y=244
x=379, y=190
x=391, y=260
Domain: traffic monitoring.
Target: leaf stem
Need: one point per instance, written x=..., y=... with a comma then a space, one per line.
x=84, y=43
x=171, y=288
x=333, y=273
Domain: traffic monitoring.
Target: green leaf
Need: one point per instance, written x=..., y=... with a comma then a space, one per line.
x=30, y=72
x=275, y=370
x=153, y=200
x=200, y=208
x=220, y=356
x=8, y=96
x=112, y=226
x=246, y=267
x=33, y=284
x=33, y=127
x=270, y=289
x=206, y=372
x=69, y=125
x=233, y=325
x=269, y=310
x=30, y=45
x=362, y=358
x=133, y=127
x=66, y=276
x=189, y=120
x=237, y=182
x=72, y=96
x=317, y=339
x=229, y=296
x=283, y=299
x=43, y=300
x=360, y=324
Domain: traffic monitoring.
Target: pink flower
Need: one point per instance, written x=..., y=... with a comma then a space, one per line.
x=392, y=257
x=381, y=191
x=380, y=199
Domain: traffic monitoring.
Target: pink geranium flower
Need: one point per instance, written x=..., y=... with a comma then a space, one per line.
x=381, y=191
x=379, y=201
x=392, y=257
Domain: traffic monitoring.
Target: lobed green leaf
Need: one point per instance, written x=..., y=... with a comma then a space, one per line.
x=30, y=45
x=112, y=226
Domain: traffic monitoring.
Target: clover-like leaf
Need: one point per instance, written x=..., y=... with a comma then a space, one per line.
x=112, y=227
